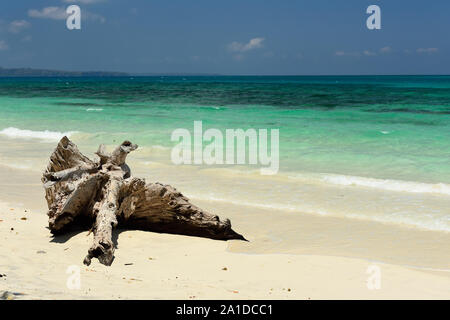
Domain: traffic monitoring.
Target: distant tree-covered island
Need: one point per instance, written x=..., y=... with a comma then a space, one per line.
x=30, y=72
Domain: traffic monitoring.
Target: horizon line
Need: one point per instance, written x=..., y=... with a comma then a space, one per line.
x=119, y=74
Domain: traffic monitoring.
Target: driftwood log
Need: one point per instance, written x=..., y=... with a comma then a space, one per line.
x=102, y=195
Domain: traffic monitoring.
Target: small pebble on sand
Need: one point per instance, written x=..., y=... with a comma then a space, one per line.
x=131, y=279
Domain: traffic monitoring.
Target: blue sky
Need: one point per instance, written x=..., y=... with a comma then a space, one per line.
x=228, y=37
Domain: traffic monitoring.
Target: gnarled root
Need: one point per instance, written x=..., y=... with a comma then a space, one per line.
x=103, y=192
x=103, y=247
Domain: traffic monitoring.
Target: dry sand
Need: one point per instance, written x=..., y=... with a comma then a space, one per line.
x=160, y=266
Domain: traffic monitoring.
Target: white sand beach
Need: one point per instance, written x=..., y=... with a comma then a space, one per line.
x=148, y=265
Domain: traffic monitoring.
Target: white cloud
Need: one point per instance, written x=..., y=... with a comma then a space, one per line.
x=427, y=50
x=369, y=53
x=59, y=13
x=3, y=45
x=55, y=13
x=343, y=53
x=386, y=50
x=254, y=43
x=17, y=26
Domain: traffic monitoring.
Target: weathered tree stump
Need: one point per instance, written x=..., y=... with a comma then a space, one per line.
x=103, y=195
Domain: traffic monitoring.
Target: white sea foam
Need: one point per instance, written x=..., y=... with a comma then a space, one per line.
x=94, y=109
x=251, y=204
x=387, y=184
x=46, y=135
x=344, y=180
x=436, y=223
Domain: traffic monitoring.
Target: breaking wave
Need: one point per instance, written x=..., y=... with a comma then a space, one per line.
x=45, y=135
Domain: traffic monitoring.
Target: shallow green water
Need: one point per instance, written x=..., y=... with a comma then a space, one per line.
x=384, y=127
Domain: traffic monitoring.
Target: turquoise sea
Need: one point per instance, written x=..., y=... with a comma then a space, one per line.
x=383, y=142
x=387, y=127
